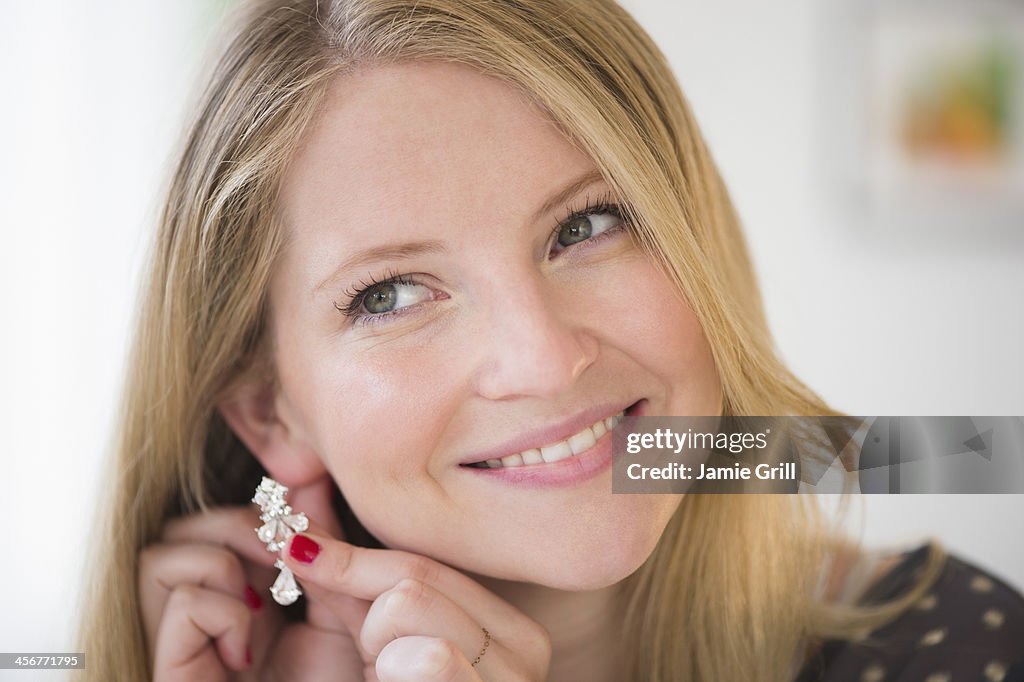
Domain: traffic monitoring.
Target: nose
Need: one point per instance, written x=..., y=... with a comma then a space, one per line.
x=536, y=345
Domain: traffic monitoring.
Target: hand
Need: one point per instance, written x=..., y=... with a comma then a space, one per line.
x=408, y=616
x=193, y=589
x=206, y=606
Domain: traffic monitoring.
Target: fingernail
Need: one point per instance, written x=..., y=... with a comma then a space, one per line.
x=303, y=549
x=252, y=599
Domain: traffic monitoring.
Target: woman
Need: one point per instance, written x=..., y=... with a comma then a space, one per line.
x=414, y=254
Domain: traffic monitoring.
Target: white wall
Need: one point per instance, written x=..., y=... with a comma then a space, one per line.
x=92, y=105
x=94, y=94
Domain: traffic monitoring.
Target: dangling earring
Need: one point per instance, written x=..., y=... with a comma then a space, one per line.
x=279, y=524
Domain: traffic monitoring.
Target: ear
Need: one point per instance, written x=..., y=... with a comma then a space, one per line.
x=260, y=418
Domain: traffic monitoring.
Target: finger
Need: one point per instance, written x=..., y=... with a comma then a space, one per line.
x=415, y=658
x=414, y=608
x=343, y=613
x=201, y=631
x=338, y=567
x=336, y=612
x=303, y=652
x=164, y=567
x=233, y=527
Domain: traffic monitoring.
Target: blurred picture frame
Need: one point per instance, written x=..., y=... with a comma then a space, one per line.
x=925, y=124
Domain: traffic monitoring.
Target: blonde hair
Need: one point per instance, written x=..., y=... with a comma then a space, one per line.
x=729, y=591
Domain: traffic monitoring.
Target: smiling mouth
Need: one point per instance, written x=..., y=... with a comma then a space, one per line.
x=574, y=445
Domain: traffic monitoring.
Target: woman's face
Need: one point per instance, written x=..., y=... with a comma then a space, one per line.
x=486, y=321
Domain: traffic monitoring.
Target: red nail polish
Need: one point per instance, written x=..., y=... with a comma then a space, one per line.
x=252, y=599
x=303, y=549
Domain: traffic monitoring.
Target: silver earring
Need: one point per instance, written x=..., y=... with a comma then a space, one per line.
x=279, y=524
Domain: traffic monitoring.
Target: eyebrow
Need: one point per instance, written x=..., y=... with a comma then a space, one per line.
x=385, y=252
x=407, y=250
x=570, y=190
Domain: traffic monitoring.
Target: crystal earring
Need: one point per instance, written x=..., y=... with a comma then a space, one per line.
x=279, y=524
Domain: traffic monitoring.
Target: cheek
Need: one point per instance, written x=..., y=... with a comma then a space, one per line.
x=369, y=410
x=656, y=326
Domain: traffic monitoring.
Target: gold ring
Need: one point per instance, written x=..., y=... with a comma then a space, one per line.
x=483, y=650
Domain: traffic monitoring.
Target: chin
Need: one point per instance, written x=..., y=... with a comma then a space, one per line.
x=591, y=556
x=598, y=560
x=596, y=577
x=607, y=572
x=576, y=568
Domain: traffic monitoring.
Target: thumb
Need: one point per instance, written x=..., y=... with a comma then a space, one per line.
x=314, y=499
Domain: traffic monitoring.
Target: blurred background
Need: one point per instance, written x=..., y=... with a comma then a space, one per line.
x=873, y=149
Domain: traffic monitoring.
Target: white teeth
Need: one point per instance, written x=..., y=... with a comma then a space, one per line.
x=512, y=460
x=532, y=457
x=574, y=445
x=582, y=441
x=554, y=453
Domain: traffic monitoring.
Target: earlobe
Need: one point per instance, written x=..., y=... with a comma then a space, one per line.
x=252, y=414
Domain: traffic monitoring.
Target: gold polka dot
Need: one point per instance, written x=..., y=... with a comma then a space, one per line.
x=926, y=603
x=933, y=637
x=995, y=671
x=980, y=583
x=873, y=673
x=992, y=619
x=939, y=677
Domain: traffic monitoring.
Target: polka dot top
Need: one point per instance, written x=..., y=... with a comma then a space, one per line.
x=969, y=627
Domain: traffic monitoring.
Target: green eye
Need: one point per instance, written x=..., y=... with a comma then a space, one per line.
x=381, y=298
x=588, y=224
x=575, y=230
x=378, y=300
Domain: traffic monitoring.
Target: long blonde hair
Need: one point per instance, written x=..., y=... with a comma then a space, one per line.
x=728, y=592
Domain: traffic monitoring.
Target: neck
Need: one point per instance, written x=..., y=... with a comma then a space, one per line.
x=585, y=643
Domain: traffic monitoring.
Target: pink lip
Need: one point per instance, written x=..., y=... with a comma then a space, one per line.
x=548, y=435
x=566, y=472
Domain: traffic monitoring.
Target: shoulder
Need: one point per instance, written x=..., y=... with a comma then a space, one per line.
x=969, y=626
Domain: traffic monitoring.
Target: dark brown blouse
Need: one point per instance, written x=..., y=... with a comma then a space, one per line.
x=970, y=627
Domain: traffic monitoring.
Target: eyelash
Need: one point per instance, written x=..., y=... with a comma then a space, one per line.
x=356, y=294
